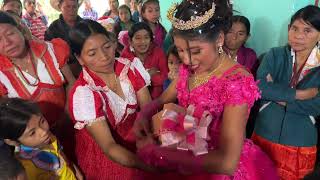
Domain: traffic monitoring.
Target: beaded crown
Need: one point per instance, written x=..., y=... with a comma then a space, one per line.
x=194, y=22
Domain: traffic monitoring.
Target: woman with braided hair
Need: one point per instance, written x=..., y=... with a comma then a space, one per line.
x=211, y=81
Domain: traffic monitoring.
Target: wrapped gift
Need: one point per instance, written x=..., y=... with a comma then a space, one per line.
x=157, y=118
x=185, y=128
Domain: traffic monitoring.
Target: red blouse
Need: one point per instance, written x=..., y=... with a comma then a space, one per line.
x=156, y=58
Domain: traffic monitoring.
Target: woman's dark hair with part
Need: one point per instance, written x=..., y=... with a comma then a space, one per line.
x=241, y=19
x=7, y=1
x=123, y=6
x=144, y=6
x=82, y=31
x=61, y=1
x=15, y=114
x=309, y=14
x=6, y=18
x=173, y=50
x=10, y=167
x=209, y=31
x=139, y=26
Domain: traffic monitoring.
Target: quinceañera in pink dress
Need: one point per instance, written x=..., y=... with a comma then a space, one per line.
x=232, y=88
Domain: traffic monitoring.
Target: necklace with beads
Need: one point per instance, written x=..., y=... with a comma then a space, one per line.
x=199, y=80
x=20, y=72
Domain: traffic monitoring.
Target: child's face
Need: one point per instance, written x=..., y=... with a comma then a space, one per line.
x=124, y=15
x=173, y=63
x=37, y=133
x=152, y=12
x=141, y=41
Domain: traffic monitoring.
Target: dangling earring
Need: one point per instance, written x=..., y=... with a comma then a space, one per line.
x=220, y=49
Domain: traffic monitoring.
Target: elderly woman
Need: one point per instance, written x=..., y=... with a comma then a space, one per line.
x=104, y=103
x=60, y=28
x=152, y=56
x=34, y=70
x=290, y=80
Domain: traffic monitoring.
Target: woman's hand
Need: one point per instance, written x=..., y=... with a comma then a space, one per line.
x=306, y=94
x=147, y=140
x=142, y=127
x=172, y=75
x=77, y=172
x=153, y=71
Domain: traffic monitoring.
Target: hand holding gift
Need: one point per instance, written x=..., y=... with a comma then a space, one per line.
x=187, y=129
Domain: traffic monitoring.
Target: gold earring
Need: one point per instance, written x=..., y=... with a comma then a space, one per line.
x=220, y=49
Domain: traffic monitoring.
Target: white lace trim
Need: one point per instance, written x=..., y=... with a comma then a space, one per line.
x=84, y=106
x=81, y=124
x=55, y=61
x=136, y=63
x=312, y=61
x=117, y=105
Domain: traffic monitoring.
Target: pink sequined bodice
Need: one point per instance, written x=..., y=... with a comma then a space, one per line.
x=232, y=88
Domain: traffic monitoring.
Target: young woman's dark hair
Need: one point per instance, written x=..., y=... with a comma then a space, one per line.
x=309, y=14
x=5, y=18
x=15, y=114
x=241, y=19
x=10, y=167
x=123, y=6
x=173, y=50
x=82, y=30
x=219, y=22
x=7, y=1
x=144, y=7
x=139, y=26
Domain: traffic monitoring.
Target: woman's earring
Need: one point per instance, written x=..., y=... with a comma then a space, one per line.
x=220, y=49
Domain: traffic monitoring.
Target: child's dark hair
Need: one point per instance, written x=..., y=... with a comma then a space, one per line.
x=10, y=167
x=309, y=14
x=15, y=114
x=126, y=8
x=144, y=6
x=82, y=31
x=242, y=19
x=172, y=50
x=139, y=26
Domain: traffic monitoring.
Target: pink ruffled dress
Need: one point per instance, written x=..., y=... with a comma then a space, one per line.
x=233, y=88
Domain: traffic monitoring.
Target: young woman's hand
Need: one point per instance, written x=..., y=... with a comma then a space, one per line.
x=142, y=127
x=147, y=140
x=172, y=75
x=153, y=71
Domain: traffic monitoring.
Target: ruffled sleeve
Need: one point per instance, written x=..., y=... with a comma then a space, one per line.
x=62, y=51
x=241, y=89
x=3, y=90
x=138, y=75
x=86, y=107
